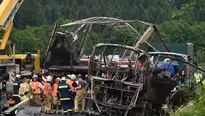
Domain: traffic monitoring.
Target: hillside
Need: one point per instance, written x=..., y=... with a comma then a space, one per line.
x=35, y=19
x=38, y=12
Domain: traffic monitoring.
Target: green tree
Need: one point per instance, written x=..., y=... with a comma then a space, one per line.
x=192, y=8
x=31, y=39
x=183, y=31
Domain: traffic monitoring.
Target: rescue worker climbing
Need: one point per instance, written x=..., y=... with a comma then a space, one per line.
x=16, y=86
x=37, y=93
x=71, y=82
x=65, y=93
x=25, y=90
x=56, y=103
x=47, y=95
x=80, y=94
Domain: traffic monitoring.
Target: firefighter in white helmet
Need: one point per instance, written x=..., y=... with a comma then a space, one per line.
x=37, y=93
x=47, y=95
x=71, y=82
x=56, y=103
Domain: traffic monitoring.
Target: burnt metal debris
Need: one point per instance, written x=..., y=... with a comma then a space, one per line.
x=66, y=48
x=136, y=81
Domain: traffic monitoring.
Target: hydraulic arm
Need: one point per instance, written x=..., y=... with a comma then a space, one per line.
x=8, y=9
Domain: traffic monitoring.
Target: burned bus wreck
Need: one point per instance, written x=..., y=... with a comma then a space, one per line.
x=134, y=82
x=127, y=77
x=118, y=85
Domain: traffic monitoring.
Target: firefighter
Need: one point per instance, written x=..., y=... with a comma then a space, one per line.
x=56, y=103
x=65, y=93
x=71, y=82
x=47, y=96
x=80, y=94
x=37, y=93
x=16, y=86
x=25, y=90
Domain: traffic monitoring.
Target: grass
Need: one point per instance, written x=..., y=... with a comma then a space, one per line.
x=195, y=107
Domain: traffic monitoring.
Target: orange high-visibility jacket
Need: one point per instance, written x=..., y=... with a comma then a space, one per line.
x=70, y=83
x=36, y=87
x=46, y=90
x=54, y=90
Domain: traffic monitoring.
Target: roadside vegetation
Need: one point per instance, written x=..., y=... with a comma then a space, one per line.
x=194, y=107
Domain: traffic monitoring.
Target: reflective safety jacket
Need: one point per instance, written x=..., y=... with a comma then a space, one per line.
x=65, y=91
x=47, y=89
x=36, y=87
x=16, y=86
x=197, y=77
x=70, y=83
x=54, y=90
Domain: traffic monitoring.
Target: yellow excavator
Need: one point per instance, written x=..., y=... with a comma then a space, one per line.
x=28, y=61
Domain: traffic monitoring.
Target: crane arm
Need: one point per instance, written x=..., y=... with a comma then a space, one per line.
x=7, y=13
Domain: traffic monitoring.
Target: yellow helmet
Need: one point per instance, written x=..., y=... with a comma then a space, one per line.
x=63, y=78
x=18, y=76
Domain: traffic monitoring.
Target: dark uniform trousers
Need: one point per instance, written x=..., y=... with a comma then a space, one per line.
x=16, y=86
x=65, y=97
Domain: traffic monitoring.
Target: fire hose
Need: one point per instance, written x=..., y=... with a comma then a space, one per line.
x=8, y=111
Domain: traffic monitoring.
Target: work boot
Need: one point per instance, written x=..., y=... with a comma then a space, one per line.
x=82, y=112
x=58, y=112
x=75, y=113
x=49, y=112
x=70, y=113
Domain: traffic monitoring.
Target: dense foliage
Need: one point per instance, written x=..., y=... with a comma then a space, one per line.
x=31, y=38
x=185, y=31
x=194, y=107
x=38, y=12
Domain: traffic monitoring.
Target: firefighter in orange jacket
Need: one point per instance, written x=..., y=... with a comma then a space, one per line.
x=47, y=96
x=71, y=82
x=38, y=87
x=56, y=103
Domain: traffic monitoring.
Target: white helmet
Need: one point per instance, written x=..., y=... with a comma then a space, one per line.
x=73, y=77
x=49, y=78
x=68, y=76
x=58, y=79
x=167, y=60
x=35, y=77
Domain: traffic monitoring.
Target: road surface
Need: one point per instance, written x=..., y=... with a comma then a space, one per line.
x=60, y=115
